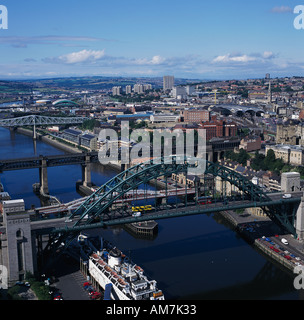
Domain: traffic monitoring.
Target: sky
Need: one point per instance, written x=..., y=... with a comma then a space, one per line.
x=195, y=39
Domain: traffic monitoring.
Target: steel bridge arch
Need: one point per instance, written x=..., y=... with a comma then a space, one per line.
x=98, y=203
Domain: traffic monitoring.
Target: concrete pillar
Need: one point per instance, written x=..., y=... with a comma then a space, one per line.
x=86, y=172
x=44, y=185
x=300, y=220
x=290, y=182
x=18, y=243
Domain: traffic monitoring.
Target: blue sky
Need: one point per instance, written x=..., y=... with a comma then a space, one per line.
x=199, y=39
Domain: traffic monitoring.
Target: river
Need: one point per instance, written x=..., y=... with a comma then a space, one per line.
x=196, y=257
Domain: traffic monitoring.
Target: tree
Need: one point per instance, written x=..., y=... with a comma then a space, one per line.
x=270, y=160
x=243, y=156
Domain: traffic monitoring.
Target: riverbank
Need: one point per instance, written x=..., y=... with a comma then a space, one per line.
x=264, y=235
x=67, y=148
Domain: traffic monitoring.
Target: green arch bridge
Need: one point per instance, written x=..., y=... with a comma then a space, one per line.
x=99, y=209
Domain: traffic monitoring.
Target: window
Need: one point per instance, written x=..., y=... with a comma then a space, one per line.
x=19, y=233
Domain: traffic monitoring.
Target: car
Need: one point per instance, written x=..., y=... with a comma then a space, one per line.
x=57, y=297
x=298, y=258
x=286, y=196
x=284, y=241
x=287, y=257
x=96, y=295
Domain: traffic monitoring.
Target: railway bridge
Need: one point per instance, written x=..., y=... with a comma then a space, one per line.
x=35, y=120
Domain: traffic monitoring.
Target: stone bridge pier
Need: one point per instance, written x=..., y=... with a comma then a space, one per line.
x=43, y=176
x=86, y=172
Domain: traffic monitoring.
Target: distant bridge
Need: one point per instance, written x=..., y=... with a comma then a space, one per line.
x=34, y=120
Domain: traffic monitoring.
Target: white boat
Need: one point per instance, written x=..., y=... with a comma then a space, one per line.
x=110, y=266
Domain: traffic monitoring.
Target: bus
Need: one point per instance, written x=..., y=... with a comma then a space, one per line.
x=142, y=208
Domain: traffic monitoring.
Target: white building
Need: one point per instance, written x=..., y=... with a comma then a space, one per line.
x=138, y=88
x=116, y=91
x=179, y=93
x=128, y=89
x=157, y=118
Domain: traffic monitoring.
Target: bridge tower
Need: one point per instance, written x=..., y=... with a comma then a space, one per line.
x=290, y=182
x=17, y=253
x=43, y=176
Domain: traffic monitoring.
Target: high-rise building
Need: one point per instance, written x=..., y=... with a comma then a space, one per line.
x=269, y=93
x=128, y=89
x=116, y=91
x=168, y=82
x=138, y=88
x=147, y=86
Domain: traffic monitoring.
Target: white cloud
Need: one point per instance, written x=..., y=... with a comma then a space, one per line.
x=82, y=56
x=243, y=58
x=156, y=60
x=234, y=58
x=268, y=55
x=281, y=9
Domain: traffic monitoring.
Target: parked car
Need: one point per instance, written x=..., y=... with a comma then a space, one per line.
x=283, y=240
x=96, y=295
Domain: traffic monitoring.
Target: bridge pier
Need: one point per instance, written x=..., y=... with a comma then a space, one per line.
x=17, y=250
x=86, y=172
x=44, y=186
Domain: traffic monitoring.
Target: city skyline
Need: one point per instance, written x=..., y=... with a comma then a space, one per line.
x=197, y=39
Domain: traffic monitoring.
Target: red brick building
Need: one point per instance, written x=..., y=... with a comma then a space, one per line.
x=195, y=115
x=219, y=128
